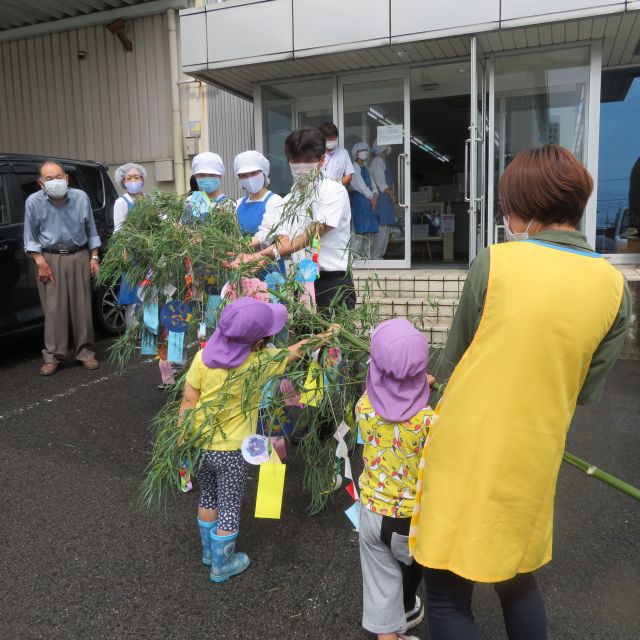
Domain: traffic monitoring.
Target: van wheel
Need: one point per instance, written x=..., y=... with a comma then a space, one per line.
x=108, y=315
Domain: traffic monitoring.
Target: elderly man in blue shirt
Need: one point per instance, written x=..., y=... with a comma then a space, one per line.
x=60, y=235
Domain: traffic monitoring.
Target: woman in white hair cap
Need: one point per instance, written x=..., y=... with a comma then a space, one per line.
x=130, y=177
x=364, y=199
x=260, y=210
x=207, y=169
x=386, y=211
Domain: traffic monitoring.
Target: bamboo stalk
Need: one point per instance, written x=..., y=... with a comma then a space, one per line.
x=603, y=476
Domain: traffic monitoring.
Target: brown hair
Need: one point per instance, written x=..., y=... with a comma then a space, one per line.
x=547, y=184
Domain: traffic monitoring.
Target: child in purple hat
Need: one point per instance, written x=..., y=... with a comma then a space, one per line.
x=224, y=385
x=393, y=417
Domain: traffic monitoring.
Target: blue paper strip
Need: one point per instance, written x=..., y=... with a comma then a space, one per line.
x=213, y=303
x=359, y=439
x=175, y=347
x=353, y=513
x=150, y=316
x=148, y=344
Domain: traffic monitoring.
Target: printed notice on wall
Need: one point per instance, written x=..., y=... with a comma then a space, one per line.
x=390, y=134
x=448, y=223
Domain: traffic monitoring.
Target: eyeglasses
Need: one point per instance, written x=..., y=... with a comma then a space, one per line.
x=133, y=178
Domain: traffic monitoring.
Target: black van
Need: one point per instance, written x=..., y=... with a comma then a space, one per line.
x=19, y=303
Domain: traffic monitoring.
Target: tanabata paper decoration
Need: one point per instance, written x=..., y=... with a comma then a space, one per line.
x=202, y=330
x=213, y=302
x=313, y=386
x=185, y=477
x=150, y=316
x=279, y=445
x=255, y=449
x=176, y=316
x=306, y=275
x=275, y=282
x=359, y=439
x=210, y=283
x=128, y=293
x=175, y=345
x=342, y=452
x=353, y=513
x=289, y=393
x=266, y=397
x=149, y=346
x=270, y=490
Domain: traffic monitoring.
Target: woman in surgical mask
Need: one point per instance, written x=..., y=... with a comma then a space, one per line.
x=364, y=200
x=260, y=209
x=540, y=323
x=131, y=178
x=207, y=169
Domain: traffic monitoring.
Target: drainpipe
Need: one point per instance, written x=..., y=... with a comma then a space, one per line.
x=178, y=152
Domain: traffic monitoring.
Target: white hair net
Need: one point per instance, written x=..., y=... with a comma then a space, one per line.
x=249, y=161
x=207, y=162
x=359, y=146
x=122, y=171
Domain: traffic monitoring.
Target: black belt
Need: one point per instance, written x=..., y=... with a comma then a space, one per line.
x=64, y=252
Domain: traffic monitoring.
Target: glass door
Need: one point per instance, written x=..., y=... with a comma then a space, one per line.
x=374, y=117
x=475, y=156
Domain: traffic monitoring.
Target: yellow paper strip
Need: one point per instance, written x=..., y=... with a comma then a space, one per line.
x=270, y=490
x=313, y=386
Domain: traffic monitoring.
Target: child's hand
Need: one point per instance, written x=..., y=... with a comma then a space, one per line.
x=334, y=328
x=430, y=379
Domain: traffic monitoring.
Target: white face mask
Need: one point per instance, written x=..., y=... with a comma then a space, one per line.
x=513, y=237
x=252, y=184
x=331, y=144
x=362, y=155
x=302, y=168
x=56, y=188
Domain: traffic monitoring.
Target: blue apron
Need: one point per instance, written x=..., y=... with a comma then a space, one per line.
x=250, y=216
x=385, y=210
x=364, y=219
x=128, y=293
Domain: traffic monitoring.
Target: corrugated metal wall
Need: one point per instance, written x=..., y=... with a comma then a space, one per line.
x=230, y=131
x=111, y=106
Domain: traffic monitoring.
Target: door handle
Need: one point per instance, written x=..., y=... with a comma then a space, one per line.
x=467, y=177
x=402, y=158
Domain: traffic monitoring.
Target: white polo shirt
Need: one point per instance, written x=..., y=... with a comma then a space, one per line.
x=330, y=206
x=337, y=164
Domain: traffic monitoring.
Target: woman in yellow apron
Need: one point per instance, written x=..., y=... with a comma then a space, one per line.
x=540, y=323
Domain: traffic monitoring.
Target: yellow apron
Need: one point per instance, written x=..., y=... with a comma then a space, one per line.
x=484, y=508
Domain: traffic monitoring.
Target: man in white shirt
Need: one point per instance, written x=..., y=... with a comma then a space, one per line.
x=327, y=216
x=336, y=161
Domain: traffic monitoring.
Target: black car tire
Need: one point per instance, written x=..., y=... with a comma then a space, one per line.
x=108, y=315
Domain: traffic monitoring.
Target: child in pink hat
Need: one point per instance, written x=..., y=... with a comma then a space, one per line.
x=223, y=386
x=393, y=418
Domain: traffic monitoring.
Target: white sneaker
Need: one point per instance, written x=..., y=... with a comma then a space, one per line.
x=416, y=615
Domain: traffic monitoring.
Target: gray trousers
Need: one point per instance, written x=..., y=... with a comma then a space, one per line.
x=379, y=242
x=68, y=299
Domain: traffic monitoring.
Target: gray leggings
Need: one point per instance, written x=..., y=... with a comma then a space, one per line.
x=221, y=476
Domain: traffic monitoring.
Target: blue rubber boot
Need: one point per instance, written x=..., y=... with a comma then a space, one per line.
x=205, y=537
x=224, y=561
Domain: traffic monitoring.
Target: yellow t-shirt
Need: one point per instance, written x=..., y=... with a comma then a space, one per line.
x=391, y=454
x=227, y=411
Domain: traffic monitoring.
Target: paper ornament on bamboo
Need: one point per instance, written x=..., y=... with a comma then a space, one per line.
x=175, y=347
x=210, y=283
x=176, y=316
x=270, y=490
x=149, y=346
x=306, y=275
x=166, y=372
x=353, y=513
x=255, y=449
x=290, y=396
x=313, y=386
x=150, y=316
x=210, y=316
x=128, y=293
x=275, y=282
x=185, y=477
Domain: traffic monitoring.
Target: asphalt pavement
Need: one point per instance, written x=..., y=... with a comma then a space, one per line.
x=78, y=560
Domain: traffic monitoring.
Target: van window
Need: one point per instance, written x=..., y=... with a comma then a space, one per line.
x=4, y=205
x=93, y=178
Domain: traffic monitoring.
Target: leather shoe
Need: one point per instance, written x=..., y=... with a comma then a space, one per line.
x=48, y=368
x=91, y=364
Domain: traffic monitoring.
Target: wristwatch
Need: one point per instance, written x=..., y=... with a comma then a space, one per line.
x=95, y=258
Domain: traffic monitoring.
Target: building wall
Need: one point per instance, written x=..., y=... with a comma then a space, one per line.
x=230, y=131
x=110, y=106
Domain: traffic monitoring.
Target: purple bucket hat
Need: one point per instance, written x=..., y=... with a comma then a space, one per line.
x=241, y=324
x=397, y=377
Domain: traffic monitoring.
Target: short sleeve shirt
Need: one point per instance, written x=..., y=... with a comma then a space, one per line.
x=338, y=164
x=227, y=410
x=392, y=452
